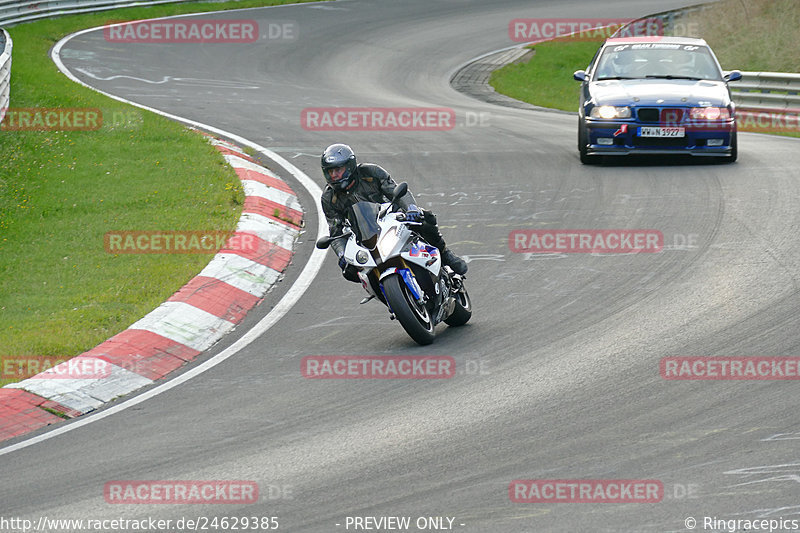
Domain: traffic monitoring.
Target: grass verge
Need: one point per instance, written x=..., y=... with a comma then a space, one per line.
x=546, y=79
x=61, y=191
x=755, y=35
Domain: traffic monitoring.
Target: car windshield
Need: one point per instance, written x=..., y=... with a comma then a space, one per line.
x=657, y=60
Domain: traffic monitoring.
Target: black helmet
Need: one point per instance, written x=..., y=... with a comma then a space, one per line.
x=335, y=156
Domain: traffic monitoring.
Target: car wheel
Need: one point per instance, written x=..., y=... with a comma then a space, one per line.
x=734, y=148
x=730, y=158
x=586, y=159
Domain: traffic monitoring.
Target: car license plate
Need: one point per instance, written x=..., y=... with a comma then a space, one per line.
x=652, y=131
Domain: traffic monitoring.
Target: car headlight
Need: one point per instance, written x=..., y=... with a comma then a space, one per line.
x=709, y=113
x=610, y=111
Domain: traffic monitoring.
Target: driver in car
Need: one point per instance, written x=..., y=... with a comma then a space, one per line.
x=349, y=182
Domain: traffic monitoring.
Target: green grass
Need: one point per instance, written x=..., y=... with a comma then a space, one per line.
x=755, y=35
x=60, y=192
x=546, y=80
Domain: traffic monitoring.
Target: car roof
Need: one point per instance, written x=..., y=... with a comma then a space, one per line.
x=656, y=39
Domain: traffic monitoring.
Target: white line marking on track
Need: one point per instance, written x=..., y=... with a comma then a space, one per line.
x=190, y=81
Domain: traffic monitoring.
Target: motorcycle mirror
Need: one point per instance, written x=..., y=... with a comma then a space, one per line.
x=399, y=191
x=324, y=242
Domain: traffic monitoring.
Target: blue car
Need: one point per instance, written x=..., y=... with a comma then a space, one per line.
x=656, y=95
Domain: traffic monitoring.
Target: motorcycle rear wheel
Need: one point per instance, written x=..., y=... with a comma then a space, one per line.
x=413, y=316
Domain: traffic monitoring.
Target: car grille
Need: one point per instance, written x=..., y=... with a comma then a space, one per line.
x=648, y=114
x=661, y=115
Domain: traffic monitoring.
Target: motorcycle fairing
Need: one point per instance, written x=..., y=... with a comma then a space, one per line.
x=408, y=278
x=423, y=250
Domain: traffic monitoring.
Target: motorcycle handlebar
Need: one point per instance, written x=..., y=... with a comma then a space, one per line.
x=402, y=218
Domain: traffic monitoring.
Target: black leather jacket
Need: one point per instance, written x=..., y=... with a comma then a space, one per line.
x=373, y=185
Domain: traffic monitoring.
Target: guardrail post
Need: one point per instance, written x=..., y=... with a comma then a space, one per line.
x=5, y=73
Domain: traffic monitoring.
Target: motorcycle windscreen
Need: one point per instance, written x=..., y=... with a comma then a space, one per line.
x=364, y=221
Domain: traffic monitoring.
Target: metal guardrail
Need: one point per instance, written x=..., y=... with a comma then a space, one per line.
x=767, y=90
x=5, y=72
x=16, y=11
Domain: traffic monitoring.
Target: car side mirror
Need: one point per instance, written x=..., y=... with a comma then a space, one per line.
x=733, y=75
x=579, y=75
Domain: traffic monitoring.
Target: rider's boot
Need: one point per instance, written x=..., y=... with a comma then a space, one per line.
x=450, y=259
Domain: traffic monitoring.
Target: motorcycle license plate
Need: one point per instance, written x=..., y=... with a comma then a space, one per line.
x=654, y=131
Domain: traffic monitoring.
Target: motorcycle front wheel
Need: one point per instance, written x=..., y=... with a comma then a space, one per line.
x=413, y=316
x=463, y=311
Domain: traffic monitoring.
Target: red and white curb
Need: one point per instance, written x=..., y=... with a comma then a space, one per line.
x=188, y=323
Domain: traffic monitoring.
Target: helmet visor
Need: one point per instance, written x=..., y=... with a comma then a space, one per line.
x=340, y=178
x=336, y=174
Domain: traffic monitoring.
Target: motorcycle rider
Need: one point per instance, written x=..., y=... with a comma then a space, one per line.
x=350, y=182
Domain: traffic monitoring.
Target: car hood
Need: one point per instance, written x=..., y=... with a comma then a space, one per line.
x=657, y=92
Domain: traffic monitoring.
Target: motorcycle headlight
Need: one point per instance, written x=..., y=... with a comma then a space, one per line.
x=388, y=242
x=609, y=111
x=362, y=257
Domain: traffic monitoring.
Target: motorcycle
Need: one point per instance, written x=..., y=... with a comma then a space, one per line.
x=397, y=267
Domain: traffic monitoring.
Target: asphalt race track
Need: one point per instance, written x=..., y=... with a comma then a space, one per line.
x=558, y=371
